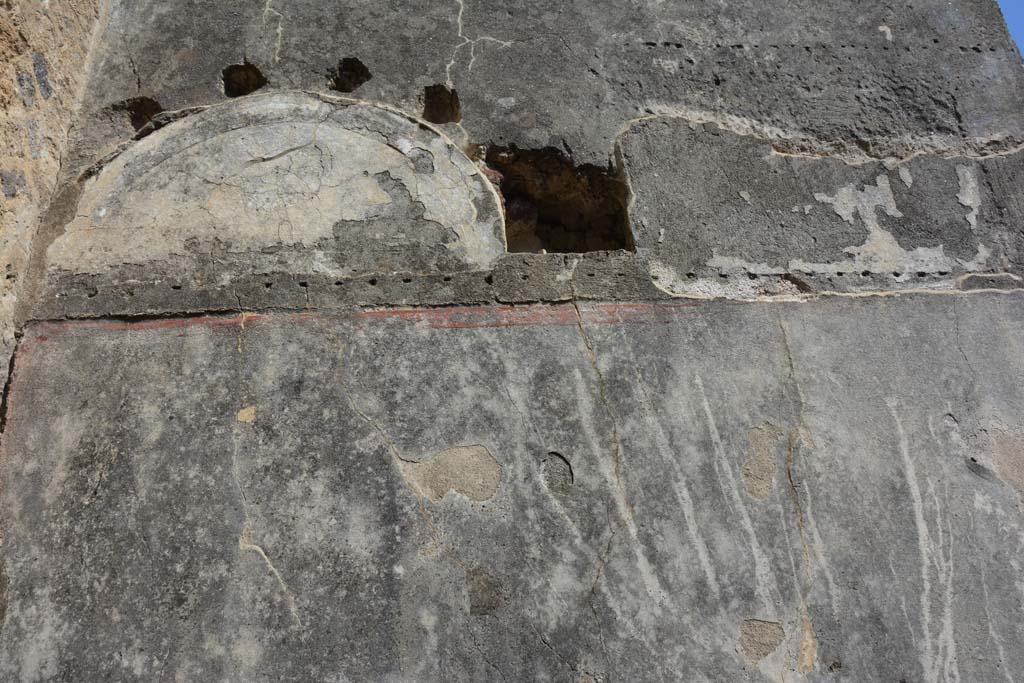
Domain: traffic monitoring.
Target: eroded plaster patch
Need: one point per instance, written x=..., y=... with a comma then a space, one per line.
x=970, y=194
x=246, y=414
x=1008, y=452
x=468, y=470
x=760, y=466
x=758, y=639
x=808, y=646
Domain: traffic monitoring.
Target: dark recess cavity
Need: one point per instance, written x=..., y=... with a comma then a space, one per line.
x=553, y=206
x=242, y=79
x=140, y=110
x=441, y=105
x=350, y=74
x=557, y=473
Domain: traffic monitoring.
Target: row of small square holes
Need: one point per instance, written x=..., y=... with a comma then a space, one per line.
x=820, y=46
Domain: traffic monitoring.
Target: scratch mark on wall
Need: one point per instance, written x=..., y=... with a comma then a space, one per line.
x=245, y=543
x=611, y=475
x=763, y=578
x=937, y=658
x=819, y=552
x=651, y=582
x=268, y=10
x=682, y=491
x=996, y=640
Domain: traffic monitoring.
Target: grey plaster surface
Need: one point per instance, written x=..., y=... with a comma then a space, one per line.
x=745, y=207
x=569, y=76
x=284, y=409
x=335, y=194
x=808, y=103
x=825, y=491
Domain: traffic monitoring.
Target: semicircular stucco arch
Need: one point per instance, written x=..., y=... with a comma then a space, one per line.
x=285, y=182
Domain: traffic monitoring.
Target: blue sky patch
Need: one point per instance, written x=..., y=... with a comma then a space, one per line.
x=1013, y=10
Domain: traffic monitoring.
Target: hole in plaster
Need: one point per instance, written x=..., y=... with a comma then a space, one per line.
x=797, y=282
x=242, y=79
x=557, y=473
x=350, y=74
x=552, y=205
x=441, y=105
x=140, y=110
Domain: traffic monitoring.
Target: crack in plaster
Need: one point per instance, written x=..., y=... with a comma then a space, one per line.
x=651, y=582
x=465, y=40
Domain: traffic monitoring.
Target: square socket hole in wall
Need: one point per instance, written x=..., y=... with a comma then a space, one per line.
x=554, y=206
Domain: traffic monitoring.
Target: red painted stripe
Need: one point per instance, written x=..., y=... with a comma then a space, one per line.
x=455, y=318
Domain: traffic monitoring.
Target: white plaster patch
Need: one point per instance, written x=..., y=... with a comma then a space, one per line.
x=669, y=66
x=880, y=252
x=849, y=201
x=886, y=31
x=905, y=176
x=980, y=260
x=404, y=145
x=970, y=194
